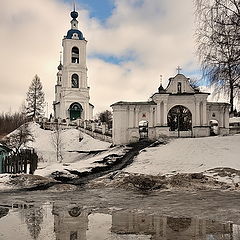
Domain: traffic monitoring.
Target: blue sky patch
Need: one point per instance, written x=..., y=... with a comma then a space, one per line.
x=100, y=9
x=113, y=59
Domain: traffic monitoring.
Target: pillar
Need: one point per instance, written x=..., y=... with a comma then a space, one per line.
x=131, y=118
x=204, y=113
x=226, y=117
x=165, y=112
x=136, y=116
x=197, y=117
x=221, y=118
x=158, y=114
x=151, y=117
x=154, y=117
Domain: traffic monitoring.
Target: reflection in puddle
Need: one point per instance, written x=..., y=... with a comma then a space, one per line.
x=51, y=221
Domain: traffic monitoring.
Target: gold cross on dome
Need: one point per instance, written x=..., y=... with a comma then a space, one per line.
x=178, y=69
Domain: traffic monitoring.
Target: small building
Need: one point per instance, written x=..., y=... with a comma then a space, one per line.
x=180, y=110
x=4, y=150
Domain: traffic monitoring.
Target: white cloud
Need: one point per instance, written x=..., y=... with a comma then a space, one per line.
x=158, y=33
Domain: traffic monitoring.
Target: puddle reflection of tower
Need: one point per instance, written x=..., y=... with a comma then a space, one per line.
x=70, y=223
x=168, y=228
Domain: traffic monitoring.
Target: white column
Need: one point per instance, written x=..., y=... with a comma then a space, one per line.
x=165, y=112
x=158, y=114
x=136, y=116
x=221, y=111
x=154, y=117
x=131, y=117
x=85, y=112
x=151, y=117
x=197, y=117
x=226, y=117
x=204, y=113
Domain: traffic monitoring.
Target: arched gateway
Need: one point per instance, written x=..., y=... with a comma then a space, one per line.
x=177, y=110
x=179, y=119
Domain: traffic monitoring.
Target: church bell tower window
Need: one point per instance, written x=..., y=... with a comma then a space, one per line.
x=75, y=55
x=75, y=81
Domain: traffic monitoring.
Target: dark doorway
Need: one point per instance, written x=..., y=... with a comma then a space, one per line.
x=75, y=111
x=143, y=129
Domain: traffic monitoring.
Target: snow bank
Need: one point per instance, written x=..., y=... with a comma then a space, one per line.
x=84, y=163
x=44, y=146
x=73, y=159
x=4, y=180
x=189, y=155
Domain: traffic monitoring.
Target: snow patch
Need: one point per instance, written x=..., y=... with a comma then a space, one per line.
x=189, y=155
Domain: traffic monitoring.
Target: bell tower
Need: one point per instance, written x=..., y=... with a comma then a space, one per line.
x=72, y=92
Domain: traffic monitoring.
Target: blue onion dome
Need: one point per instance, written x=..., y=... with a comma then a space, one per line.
x=60, y=67
x=74, y=14
x=74, y=32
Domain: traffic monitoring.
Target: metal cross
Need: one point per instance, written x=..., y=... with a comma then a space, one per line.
x=160, y=79
x=178, y=69
x=61, y=57
x=74, y=6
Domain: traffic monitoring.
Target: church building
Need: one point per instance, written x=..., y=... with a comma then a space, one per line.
x=72, y=91
x=180, y=110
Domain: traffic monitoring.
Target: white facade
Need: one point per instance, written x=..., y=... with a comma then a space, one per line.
x=72, y=91
x=178, y=110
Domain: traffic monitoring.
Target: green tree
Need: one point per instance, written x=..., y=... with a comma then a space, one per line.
x=35, y=99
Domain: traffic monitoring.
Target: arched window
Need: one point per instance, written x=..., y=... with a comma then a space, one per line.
x=75, y=81
x=75, y=55
x=179, y=87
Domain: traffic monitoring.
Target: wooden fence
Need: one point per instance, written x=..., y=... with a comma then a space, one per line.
x=23, y=162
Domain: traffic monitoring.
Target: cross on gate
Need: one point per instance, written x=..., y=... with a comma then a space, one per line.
x=178, y=69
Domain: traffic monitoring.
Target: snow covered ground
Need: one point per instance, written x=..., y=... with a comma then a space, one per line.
x=83, y=163
x=45, y=148
x=189, y=155
x=72, y=159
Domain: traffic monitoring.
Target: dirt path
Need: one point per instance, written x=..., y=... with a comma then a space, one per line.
x=119, y=164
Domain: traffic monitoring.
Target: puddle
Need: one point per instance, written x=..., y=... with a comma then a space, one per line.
x=52, y=221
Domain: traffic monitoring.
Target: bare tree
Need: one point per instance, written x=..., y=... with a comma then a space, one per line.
x=19, y=138
x=57, y=141
x=35, y=99
x=218, y=39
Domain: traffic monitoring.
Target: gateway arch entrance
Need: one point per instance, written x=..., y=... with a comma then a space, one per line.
x=180, y=121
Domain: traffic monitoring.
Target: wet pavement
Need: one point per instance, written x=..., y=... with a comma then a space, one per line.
x=120, y=214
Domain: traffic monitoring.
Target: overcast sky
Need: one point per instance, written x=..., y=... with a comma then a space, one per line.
x=130, y=44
